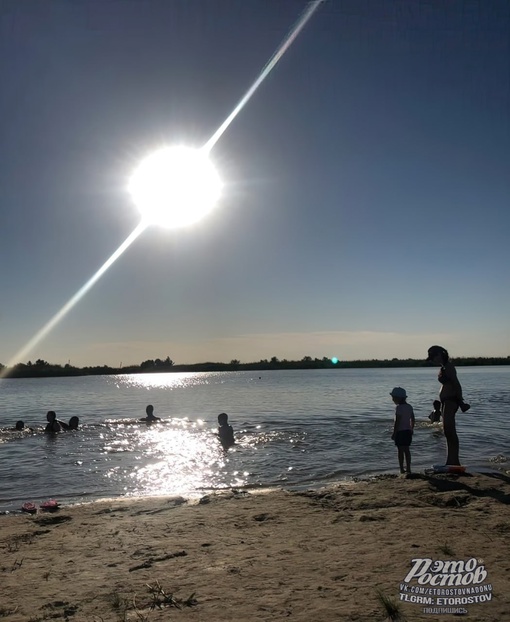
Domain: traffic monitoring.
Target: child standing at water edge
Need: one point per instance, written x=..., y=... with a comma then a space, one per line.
x=403, y=428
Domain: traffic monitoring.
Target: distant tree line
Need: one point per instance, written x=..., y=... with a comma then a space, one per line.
x=43, y=369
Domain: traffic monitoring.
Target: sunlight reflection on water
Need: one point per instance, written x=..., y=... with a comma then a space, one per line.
x=179, y=457
x=162, y=381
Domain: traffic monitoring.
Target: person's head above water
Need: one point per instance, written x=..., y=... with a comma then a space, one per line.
x=74, y=422
x=150, y=410
x=223, y=419
x=51, y=415
x=438, y=354
x=437, y=404
x=19, y=425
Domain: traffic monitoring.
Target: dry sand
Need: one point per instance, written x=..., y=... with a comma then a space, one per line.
x=314, y=556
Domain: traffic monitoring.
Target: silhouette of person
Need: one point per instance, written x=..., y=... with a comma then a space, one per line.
x=403, y=428
x=451, y=398
x=225, y=431
x=435, y=415
x=20, y=427
x=54, y=425
x=74, y=422
x=150, y=418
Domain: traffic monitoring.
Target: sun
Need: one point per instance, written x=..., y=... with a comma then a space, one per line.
x=175, y=187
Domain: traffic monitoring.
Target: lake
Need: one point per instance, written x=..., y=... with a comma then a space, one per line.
x=294, y=429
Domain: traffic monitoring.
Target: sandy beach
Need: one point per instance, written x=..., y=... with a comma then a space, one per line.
x=318, y=555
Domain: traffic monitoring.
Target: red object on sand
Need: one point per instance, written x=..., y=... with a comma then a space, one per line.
x=28, y=507
x=49, y=506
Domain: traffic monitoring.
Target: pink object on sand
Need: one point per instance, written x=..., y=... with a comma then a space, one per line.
x=49, y=506
x=29, y=507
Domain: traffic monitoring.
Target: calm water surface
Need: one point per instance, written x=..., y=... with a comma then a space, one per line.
x=293, y=429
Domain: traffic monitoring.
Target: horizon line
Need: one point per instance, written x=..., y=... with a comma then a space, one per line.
x=305, y=359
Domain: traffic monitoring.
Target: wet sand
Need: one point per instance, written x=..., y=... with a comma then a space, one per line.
x=313, y=556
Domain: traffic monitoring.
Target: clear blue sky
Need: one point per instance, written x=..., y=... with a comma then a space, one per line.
x=366, y=208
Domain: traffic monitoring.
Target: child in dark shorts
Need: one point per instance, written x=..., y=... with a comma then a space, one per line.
x=403, y=428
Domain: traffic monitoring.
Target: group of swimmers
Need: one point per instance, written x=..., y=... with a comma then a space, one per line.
x=450, y=400
x=54, y=425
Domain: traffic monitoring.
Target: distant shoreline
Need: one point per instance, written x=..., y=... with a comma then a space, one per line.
x=42, y=369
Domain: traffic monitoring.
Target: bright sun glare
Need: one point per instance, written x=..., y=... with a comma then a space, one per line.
x=175, y=186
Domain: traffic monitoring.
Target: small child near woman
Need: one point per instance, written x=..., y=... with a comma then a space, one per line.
x=435, y=415
x=403, y=428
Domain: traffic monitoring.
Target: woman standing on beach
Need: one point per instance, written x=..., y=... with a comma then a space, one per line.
x=450, y=396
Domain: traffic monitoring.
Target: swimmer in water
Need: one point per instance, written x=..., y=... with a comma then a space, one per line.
x=54, y=425
x=435, y=415
x=74, y=422
x=20, y=427
x=151, y=418
x=225, y=431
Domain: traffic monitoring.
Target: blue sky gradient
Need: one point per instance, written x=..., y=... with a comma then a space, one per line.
x=367, y=183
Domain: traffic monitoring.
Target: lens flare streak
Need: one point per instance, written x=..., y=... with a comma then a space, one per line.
x=41, y=334
x=284, y=46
